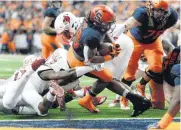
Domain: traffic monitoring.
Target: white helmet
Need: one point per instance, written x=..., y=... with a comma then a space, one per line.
x=76, y=24
x=29, y=60
x=64, y=21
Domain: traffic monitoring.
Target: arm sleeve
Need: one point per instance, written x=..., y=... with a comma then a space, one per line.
x=140, y=14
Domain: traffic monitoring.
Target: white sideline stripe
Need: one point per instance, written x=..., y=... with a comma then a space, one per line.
x=31, y=120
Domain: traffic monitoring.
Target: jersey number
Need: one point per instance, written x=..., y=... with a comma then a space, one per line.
x=154, y=32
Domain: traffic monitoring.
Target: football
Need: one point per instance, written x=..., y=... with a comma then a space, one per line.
x=104, y=49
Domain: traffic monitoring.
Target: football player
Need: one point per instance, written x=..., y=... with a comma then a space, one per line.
x=55, y=68
x=79, y=53
x=52, y=70
x=117, y=102
x=145, y=26
x=171, y=74
x=12, y=88
x=48, y=38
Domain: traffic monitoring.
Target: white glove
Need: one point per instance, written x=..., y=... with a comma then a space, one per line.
x=97, y=67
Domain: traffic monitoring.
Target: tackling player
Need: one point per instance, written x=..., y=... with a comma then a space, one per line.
x=12, y=88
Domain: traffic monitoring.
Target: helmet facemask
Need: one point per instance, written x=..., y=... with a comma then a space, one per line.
x=159, y=14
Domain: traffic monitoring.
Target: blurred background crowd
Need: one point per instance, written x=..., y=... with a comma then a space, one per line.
x=20, y=21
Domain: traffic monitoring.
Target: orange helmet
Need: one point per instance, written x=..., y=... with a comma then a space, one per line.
x=101, y=17
x=160, y=4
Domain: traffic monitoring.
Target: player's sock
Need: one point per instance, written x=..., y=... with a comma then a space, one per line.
x=143, y=81
x=24, y=110
x=165, y=121
x=50, y=97
x=79, y=93
x=82, y=70
x=117, y=97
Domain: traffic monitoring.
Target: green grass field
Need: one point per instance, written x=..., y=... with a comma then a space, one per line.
x=9, y=63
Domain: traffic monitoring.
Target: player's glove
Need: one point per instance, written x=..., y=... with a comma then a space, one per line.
x=36, y=64
x=115, y=50
x=97, y=67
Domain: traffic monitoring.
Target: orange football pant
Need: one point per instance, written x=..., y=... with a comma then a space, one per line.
x=154, y=54
x=47, y=48
x=105, y=74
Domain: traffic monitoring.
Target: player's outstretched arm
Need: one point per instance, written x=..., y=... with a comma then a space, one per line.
x=73, y=73
x=50, y=74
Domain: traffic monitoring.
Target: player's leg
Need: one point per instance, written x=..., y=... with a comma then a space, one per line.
x=12, y=47
x=157, y=95
x=46, y=45
x=86, y=101
x=121, y=63
x=154, y=54
x=16, y=86
x=33, y=98
x=105, y=74
x=140, y=104
x=14, y=90
x=129, y=75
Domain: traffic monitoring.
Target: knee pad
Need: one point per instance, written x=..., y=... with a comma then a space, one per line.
x=157, y=77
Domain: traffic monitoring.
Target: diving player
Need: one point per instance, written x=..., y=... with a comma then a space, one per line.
x=90, y=34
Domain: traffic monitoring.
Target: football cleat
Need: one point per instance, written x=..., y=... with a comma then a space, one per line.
x=55, y=89
x=140, y=105
x=86, y=102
